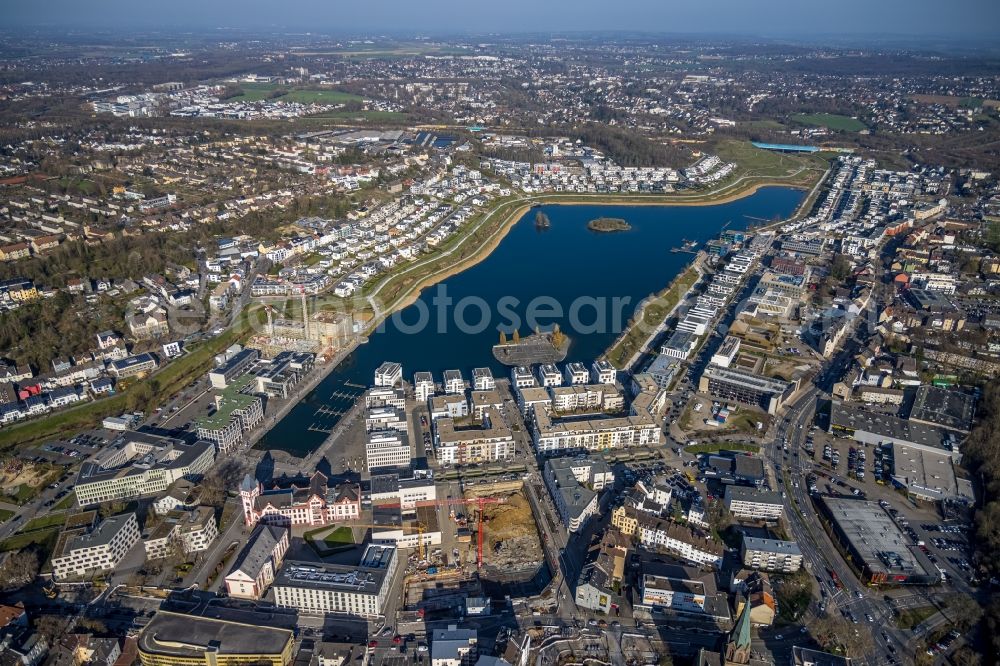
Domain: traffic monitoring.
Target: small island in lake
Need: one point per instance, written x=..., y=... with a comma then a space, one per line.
x=608, y=224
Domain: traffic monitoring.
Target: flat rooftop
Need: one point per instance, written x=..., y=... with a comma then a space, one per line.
x=852, y=417
x=190, y=637
x=942, y=407
x=874, y=536
x=367, y=577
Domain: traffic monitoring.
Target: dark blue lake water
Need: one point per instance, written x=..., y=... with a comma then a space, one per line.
x=598, y=277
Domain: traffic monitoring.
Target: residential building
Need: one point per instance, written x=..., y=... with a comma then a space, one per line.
x=188, y=531
x=552, y=435
x=680, y=541
x=454, y=383
x=491, y=441
x=423, y=386
x=140, y=364
x=574, y=484
x=482, y=379
x=602, y=372
x=389, y=374
x=549, y=375
x=770, y=554
x=753, y=503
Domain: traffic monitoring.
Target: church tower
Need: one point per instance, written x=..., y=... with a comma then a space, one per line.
x=250, y=490
x=738, y=645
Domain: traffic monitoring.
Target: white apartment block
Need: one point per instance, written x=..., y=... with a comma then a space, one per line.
x=576, y=373
x=549, y=375
x=679, y=541
x=602, y=372
x=188, y=531
x=83, y=551
x=521, y=377
x=491, y=442
x=753, y=503
x=453, y=406
x=552, y=435
x=595, y=397
x=454, y=383
x=389, y=374
x=771, y=554
x=423, y=386
x=482, y=379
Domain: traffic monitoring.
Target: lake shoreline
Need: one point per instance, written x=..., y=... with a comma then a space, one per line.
x=599, y=200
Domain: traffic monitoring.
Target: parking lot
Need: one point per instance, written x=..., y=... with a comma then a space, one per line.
x=844, y=467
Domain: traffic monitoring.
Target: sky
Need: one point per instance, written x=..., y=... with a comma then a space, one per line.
x=781, y=18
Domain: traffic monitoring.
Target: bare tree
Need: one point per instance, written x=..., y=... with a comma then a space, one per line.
x=18, y=570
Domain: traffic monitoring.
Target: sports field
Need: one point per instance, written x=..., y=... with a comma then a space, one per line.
x=830, y=121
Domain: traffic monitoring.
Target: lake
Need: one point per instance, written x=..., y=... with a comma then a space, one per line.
x=587, y=282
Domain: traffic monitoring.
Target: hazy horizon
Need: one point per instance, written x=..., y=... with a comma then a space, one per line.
x=959, y=19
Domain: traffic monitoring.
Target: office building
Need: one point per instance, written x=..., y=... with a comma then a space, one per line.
x=87, y=550
x=181, y=531
x=361, y=590
x=139, y=464
x=745, y=388
x=385, y=449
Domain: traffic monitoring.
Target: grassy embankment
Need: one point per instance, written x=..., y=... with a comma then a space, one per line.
x=652, y=315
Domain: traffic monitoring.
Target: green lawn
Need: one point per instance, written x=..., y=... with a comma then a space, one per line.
x=45, y=538
x=5, y=515
x=44, y=522
x=250, y=96
x=319, y=96
x=830, y=121
x=761, y=163
x=342, y=536
x=65, y=502
x=911, y=617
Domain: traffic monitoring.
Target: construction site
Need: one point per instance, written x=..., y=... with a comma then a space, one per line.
x=486, y=540
x=291, y=327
